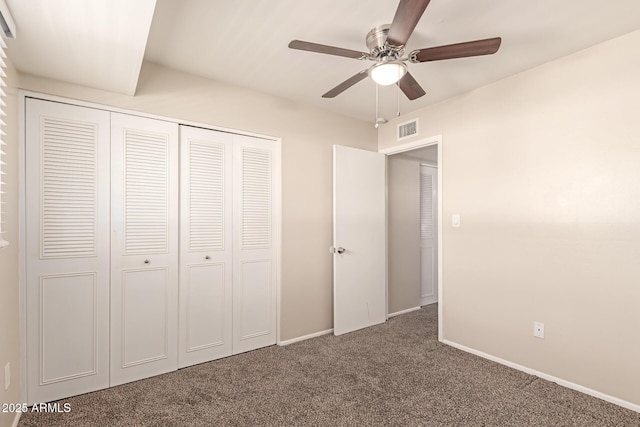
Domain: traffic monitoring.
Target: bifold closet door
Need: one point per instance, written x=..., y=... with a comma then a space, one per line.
x=256, y=209
x=206, y=268
x=67, y=250
x=144, y=247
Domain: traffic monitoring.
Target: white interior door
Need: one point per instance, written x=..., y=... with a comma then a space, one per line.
x=67, y=247
x=428, y=234
x=206, y=267
x=256, y=207
x=144, y=244
x=359, y=238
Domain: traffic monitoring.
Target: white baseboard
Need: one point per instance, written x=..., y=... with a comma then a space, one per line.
x=559, y=381
x=16, y=419
x=408, y=310
x=305, y=337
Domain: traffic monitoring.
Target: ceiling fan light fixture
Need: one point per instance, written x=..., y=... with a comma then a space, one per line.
x=388, y=73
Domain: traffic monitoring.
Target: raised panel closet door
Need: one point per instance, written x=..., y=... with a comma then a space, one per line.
x=256, y=202
x=205, y=245
x=144, y=247
x=67, y=250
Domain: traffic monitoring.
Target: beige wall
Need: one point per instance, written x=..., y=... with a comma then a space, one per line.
x=307, y=138
x=9, y=330
x=403, y=210
x=544, y=169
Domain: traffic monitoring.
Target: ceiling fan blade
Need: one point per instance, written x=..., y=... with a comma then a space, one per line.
x=411, y=87
x=404, y=22
x=329, y=50
x=458, y=50
x=346, y=84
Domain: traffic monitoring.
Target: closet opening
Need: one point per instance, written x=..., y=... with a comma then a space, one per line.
x=148, y=245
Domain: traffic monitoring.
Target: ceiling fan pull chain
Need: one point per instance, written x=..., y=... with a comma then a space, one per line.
x=376, y=118
x=398, y=92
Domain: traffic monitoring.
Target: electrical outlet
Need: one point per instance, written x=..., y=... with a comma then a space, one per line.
x=538, y=329
x=7, y=375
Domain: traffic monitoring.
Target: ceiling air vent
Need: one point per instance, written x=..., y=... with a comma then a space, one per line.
x=407, y=129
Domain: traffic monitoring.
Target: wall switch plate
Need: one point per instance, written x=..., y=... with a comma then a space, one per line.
x=538, y=329
x=455, y=220
x=7, y=375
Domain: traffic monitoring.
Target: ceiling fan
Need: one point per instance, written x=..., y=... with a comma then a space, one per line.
x=386, y=48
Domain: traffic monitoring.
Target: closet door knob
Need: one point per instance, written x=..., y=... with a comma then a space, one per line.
x=146, y=261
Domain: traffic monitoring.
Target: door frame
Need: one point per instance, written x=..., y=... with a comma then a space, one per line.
x=401, y=148
x=23, y=94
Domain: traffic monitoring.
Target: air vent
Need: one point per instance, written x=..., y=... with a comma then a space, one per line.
x=407, y=129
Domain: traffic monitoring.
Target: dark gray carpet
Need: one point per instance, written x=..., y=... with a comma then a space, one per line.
x=392, y=374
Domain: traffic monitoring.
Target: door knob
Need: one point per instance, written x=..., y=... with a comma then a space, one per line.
x=339, y=250
x=207, y=257
x=146, y=261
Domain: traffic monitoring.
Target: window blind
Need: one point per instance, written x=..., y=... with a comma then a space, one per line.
x=3, y=206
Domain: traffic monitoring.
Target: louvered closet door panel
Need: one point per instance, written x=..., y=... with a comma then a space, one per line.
x=67, y=246
x=205, y=245
x=426, y=204
x=144, y=247
x=256, y=207
x=428, y=235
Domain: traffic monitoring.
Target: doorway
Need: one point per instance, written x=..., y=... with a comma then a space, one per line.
x=414, y=207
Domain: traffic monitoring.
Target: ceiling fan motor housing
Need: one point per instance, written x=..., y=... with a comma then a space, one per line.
x=377, y=43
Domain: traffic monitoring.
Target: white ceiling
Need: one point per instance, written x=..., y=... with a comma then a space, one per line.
x=244, y=42
x=96, y=43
